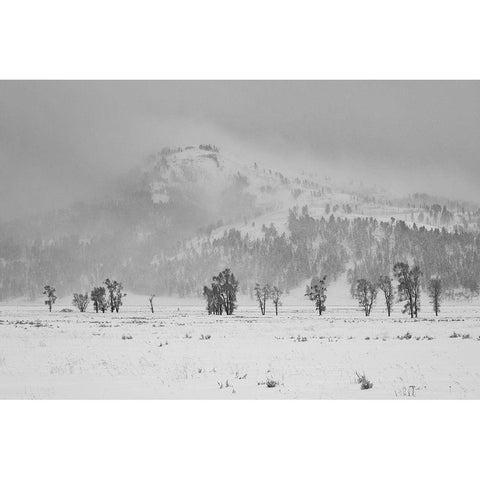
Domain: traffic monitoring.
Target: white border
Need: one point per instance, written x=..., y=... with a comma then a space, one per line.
x=239, y=40
x=238, y=439
x=252, y=39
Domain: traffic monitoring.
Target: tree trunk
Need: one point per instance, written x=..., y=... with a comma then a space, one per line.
x=276, y=308
x=50, y=306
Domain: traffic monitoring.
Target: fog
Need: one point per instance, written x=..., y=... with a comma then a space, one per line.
x=62, y=141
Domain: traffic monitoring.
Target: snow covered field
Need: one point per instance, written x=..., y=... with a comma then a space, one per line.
x=182, y=353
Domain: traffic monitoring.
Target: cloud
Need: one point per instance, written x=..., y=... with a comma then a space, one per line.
x=62, y=141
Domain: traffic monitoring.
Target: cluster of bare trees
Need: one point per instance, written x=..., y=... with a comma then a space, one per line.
x=267, y=292
x=408, y=290
x=115, y=294
x=99, y=299
x=222, y=295
x=103, y=298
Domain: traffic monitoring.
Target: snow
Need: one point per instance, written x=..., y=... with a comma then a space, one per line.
x=181, y=352
x=169, y=354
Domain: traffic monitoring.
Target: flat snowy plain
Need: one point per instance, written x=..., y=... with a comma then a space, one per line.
x=183, y=353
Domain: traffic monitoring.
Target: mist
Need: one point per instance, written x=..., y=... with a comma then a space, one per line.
x=63, y=141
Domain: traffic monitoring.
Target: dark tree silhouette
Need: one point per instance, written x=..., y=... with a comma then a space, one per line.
x=98, y=296
x=366, y=293
x=386, y=286
x=408, y=287
x=275, y=295
x=214, y=304
x=317, y=293
x=115, y=294
x=51, y=297
x=435, y=293
x=222, y=296
x=81, y=301
x=262, y=294
x=150, y=300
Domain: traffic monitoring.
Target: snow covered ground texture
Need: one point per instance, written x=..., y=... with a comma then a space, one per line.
x=182, y=353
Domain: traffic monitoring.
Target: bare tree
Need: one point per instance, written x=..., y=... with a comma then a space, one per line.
x=115, y=294
x=99, y=299
x=386, y=286
x=275, y=295
x=262, y=294
x=408, y=287
x=416, y=274
x=435, y=293
x=214, y=303
x=317, y=292
x=81, y=301
x=150, y=299
x=51, y=297
x=366, y=293
x=222, y=296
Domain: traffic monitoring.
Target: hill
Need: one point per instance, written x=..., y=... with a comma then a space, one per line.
x=183, y=213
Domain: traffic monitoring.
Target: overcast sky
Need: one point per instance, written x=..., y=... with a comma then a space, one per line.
x=62, y=141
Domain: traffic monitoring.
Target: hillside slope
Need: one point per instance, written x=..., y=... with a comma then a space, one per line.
x=184, y=212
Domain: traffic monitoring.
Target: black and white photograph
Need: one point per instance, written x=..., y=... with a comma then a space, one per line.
x=239, y=239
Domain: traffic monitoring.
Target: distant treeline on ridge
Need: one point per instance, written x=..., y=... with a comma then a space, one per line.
x=363, y=248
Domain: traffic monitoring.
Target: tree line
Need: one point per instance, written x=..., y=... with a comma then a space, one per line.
x=108, y=297
x=360, y=247
x=408, y=289
x=221, y=295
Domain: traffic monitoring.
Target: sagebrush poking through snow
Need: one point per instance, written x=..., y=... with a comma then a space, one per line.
x=365, y=384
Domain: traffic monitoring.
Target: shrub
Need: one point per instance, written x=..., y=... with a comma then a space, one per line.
x=365, y=384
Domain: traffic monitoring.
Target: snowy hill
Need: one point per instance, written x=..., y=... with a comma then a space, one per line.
x=184, y=212
x=246, y=196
